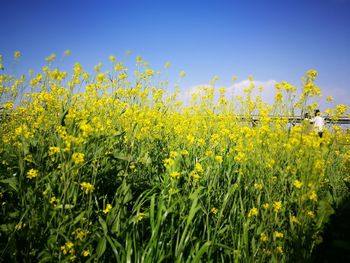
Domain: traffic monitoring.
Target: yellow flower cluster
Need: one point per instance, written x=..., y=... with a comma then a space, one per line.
x=78, y=158
x=87, y=187
x=107, y=209
x=68, y=247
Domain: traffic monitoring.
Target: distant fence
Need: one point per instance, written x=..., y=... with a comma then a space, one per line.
x=298, y=119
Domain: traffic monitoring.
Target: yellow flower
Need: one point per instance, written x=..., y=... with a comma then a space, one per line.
x=68, y=247
x=184, y=152
x=29, y=158
x=66, y=53
x=214, y=210
x=209, y=153
x=329, y=98
x=87, y=187
x=51, y=58
x=86, y=253
x=175, y=174
x=78, y=158
x=112, y=58
x=198, y=168
x=266, y=205
x=194, y=175
x=140, y=216
x=53, y=150
x=240, y=157
x=253, y=212
x=278, y=234
x=80, y=233
x=168, y=162
x=54, y=201
x=277, y=206
x=218, y=158
x=19, y=226
x=313, y=196
x=258, y=186
x=107, y=209
x=173, y=154
x=17, y=55
x=295, y=220
x=167, y=65
x=149, y=72
x=310, y=214
x=279, y=249
x=46, y=192
x=32, y=173
x=298, y=184
x=138, y=59
x=264, y=237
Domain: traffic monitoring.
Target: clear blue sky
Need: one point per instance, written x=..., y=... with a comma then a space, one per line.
x=269, y=39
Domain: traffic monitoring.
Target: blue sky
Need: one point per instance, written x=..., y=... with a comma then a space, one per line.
x=269, y=39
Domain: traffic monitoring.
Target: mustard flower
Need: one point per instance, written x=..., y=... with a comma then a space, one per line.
x=32, y=174
x=258, y=187
x=67, y=53
x=54, y=201
x=17, y=55
x=214, y=210
x=168, y=162
x=313, y=196
x=173, y=154
x=295, y=220
x=149, y=72
x=310, y=214
x=198, y=168
x=140, y=216
x=53, y=150
x=175, y=174
x=78, y=158
x=68, y=247
x=277, y=206
x=278, y=234
x=266, y=205
x=297, y=184
x=86, y=253
x=279, y=249
x=107, y=209
x=51, y=58
x=87, y=187
x=218, y=158
x=253, y=212
x=112, y=58
x=184, y=152
x=264, y=237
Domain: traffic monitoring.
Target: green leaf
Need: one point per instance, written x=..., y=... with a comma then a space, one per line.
x=122, y=157
x=201, y=251
x=79, y=217
x=12, y=182
x=101, y=247
x=103, y=224
x=114, y=249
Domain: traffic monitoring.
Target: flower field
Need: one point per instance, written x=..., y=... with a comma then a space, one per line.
x=112, y=167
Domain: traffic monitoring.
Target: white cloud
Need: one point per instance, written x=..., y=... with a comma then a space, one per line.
x=236, y=89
